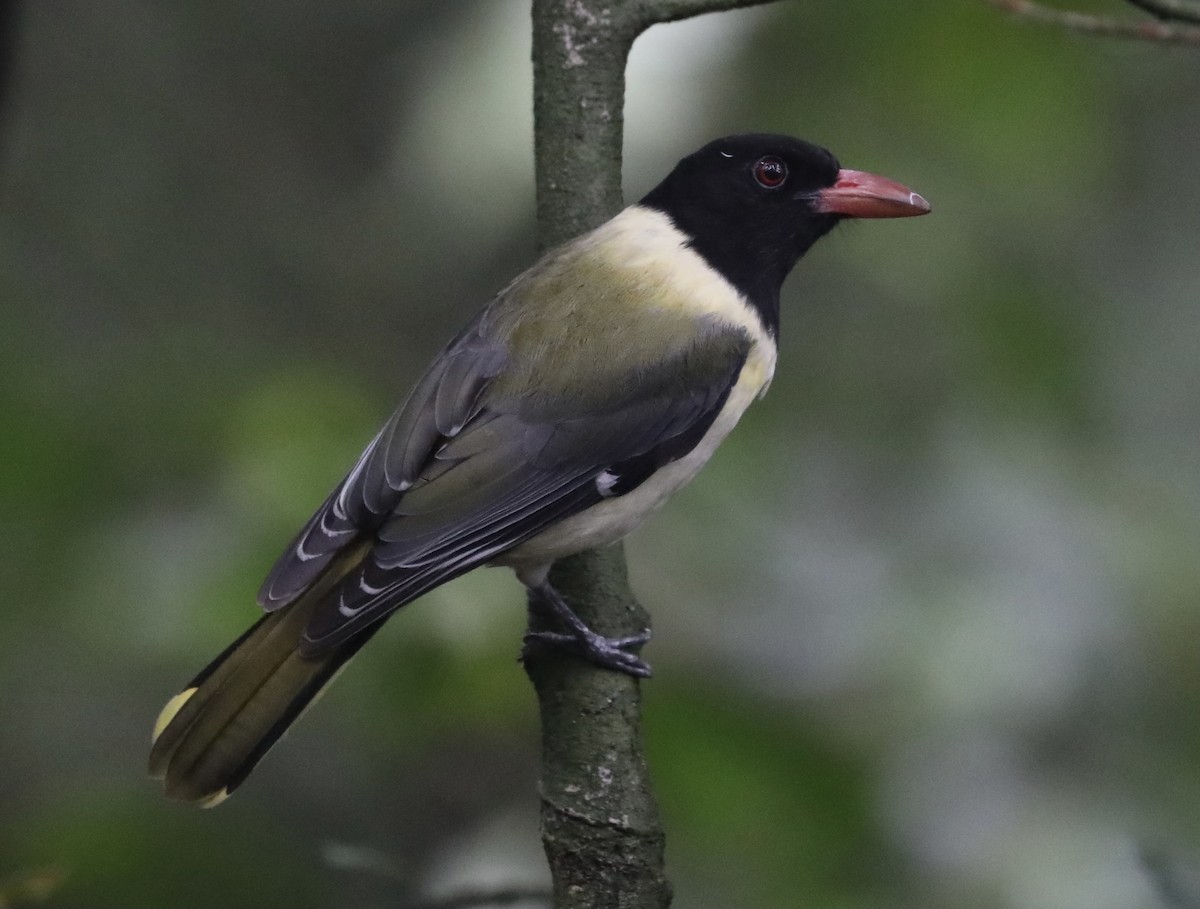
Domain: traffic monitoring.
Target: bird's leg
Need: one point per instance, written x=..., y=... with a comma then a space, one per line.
x=617, y=654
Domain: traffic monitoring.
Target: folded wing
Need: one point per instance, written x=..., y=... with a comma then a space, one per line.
x=469, y=467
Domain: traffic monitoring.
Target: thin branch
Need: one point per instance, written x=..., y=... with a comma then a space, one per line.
x=1104, y=26
x=1178, y=10
x=652, y=12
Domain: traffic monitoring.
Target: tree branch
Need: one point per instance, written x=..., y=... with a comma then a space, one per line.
x=1179, y=10
x=653, y=12
x=579, y=54
x=1104, y=26
x=600, y=825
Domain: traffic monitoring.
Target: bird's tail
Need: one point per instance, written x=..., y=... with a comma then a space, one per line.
x=210, y=736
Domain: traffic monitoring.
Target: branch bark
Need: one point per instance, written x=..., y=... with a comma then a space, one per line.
x=1179, y=10
x=600, y=824
x=1105, y=26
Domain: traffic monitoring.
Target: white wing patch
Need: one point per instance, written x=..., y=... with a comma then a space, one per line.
x=605, y=483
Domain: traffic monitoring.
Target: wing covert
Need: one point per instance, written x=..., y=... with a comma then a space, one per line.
x=502, y=437
x=445, y=398
x=504, y=478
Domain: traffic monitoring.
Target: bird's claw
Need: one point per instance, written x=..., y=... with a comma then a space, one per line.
x=616, y=654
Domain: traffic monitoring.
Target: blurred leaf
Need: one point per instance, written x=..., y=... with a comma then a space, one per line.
x=33, y=885
x=129, y=851
x=728, y=767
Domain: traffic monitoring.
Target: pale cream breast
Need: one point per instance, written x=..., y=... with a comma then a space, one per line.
x=626, y=294
x=638, y=239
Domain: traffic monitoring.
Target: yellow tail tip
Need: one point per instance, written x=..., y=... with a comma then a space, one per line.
x=169, y=711
x=212, y=801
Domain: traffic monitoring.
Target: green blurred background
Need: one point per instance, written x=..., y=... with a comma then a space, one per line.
x=926, y=627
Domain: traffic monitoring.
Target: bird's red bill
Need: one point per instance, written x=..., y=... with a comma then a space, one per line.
x=857, y=194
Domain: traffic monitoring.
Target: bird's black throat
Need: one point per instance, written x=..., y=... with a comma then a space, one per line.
x=747, y=206
x=754, y=254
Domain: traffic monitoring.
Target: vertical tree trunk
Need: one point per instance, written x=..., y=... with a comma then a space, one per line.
x=600, y=824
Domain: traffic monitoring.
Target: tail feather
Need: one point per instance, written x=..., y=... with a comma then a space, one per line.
x=211, y=735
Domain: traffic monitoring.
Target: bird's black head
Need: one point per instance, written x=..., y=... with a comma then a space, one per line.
x=753, y=204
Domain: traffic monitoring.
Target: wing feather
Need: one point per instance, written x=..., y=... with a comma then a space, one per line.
x=468, y=467
x=503, y=493
x=390, y=464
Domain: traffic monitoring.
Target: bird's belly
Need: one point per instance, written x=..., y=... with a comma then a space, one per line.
x=611, y=519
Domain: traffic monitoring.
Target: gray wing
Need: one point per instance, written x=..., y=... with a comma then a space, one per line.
x=461, y=473
x=443, y=400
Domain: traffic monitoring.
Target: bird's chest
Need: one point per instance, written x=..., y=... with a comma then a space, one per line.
x=666, y=290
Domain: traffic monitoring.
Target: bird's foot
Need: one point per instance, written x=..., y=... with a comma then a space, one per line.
x=617, y=654
x=608, y=653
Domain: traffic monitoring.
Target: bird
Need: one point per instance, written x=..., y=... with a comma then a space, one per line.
x=579, y=398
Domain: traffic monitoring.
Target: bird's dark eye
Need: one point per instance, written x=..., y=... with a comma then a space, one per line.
x=770, y=172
